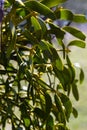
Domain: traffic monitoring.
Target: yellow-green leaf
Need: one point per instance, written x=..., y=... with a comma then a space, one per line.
x=35, y=23
x=78, y=43
x=51, y=3
x=75, y=32
x=79, y=18
x=64, y=14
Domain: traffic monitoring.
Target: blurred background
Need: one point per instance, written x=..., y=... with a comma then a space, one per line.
x=79, y=56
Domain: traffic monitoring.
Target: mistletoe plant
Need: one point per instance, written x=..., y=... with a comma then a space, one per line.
x=36, y=73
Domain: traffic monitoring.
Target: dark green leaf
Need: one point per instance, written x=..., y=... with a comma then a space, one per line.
x=48, y=103
x=58, y=74
x=75, y=91
x=43, y=26
x=40, y=113
x=32, y=39
x=81, y=76
x=64, y=77
x=40, y=8
x=68, y=61
x=13, y=40
x=53, y=55
x=58, y=103
x=56, y=30
x=56, y=60
x=67, y=104
x=75, y=32
x=61, y=126
x=75, y=113
x=51, y=3
x=71, y=69
x=50, y=123
x=45, y=45
x=77, y=43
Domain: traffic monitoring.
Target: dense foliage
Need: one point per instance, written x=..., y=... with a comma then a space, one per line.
x=36, y=73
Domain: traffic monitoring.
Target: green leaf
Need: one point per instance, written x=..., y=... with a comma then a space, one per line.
x=48, y=103
x=81, y=76
x=56, y=30
x=78, y=43
x=40, y=8
x=26, y=122
x=56, y=60
x=75, y=113
x=52, y=54
x=45, y=45
x=79, y=18
x=51, y=3
x=64, y=77
x=75, y=91
x=64, y=14
x=68, y=61
x=72, y=73
x=58, y=74
x=40, y=113
x=37, y=28
x=61, y=126
x=32, y=39
x=67, y=104
x=75, y=32
x=58, y=103
x=13, y=40
x=11, y=1
x=50, y=123
x=35, y=23
x=71, y=69
x=61, y=111
x=43, y=26
x=21, y=12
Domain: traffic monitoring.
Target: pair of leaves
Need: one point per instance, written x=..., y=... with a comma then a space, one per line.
x=78, y=34
x=67, y=104
x=75, y=32
x=44, y=114
x=64, y=76
x=61, y=112
x=49, y=122
x=51, y=54
x=54, y=29
x=40, y=28
x=65, y=14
